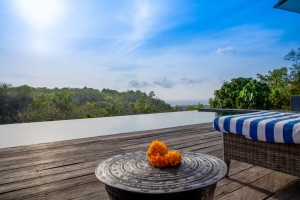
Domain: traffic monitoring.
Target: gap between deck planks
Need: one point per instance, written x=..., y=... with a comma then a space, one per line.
x=65, y=169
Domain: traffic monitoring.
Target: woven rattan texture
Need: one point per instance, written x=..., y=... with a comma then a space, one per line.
x=276, y=156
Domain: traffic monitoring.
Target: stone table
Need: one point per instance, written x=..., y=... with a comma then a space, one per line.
x=130, y=176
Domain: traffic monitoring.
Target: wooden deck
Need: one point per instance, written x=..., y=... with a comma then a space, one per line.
x=65, y=170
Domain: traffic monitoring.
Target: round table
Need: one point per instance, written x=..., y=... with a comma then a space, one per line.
x=130, y=176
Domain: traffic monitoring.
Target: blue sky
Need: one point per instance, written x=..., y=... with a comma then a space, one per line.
x=179, y=49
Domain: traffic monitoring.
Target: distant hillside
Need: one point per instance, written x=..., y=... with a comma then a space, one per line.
x=29, y=104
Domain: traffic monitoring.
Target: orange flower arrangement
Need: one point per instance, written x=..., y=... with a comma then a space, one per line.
x=173, y=158
x=160, y=156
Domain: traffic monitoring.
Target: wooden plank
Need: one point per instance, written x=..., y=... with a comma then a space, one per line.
x=99, y=148
x=290, y=192
x=19, y=175
x=59, y=185
x=240, y=179
x=236, y=167
x=48, y=187
x=94, y=196
x=261, y=188
x=94, y=149
x=69, y=193
x=65, y=170
x=15, y=179
x=57, y=152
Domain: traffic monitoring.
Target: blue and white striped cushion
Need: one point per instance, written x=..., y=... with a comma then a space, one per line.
x=265, y=126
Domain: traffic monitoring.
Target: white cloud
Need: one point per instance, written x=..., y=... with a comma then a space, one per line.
x=144, y=19
x=190, y=81
x=165, y=83
x=138, y=84
x=225, y=50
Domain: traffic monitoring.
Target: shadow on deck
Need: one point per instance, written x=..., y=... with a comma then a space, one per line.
x=65, y=170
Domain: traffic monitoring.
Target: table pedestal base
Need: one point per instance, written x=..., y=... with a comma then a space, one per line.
x=205, y=193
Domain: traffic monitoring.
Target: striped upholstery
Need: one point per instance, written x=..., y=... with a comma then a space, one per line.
x=265, y=126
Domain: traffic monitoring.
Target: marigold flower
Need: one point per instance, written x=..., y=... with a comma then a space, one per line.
x=173, y=158
x=158, y=161
x=160, y=156
x=157, y=148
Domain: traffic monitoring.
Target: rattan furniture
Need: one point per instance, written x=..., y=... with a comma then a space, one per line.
x=276, y=156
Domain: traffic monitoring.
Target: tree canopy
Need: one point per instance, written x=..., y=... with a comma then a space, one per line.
x=294, y=57
x=28, y=104
x=280, y=87
x=271, y=91
x=254, y=95
x=227, y=95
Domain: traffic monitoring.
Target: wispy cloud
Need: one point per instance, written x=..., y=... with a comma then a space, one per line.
x=138, y=84
x=165, y=83
x=142, y=19
x=225, y=50
x=190, y=81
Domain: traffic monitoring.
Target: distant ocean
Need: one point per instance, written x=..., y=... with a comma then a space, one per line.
x=186, y=102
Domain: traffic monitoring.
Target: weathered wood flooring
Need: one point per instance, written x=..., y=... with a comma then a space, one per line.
x=65, y=170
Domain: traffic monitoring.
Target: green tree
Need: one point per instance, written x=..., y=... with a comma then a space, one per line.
x=294, y=56
x=12, y=101
x=199, y=106
x=226, y=96
x=279, y=83
x=27, y=104
x=93, y=109
x=195, y=107
x=62, y=100
x=41, y=101
x=81, y=96
x=255, y=95
x=177, y=108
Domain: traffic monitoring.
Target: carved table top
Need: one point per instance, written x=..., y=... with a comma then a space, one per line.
x=132, y=172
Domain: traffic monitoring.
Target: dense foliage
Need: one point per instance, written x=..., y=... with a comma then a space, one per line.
x=280, y=87
x=226, y=96
x=254, y=95
x=294, y=76
x=271, y=91
x=28, y=104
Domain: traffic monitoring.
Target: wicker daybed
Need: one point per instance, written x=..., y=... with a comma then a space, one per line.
x=283, y=156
